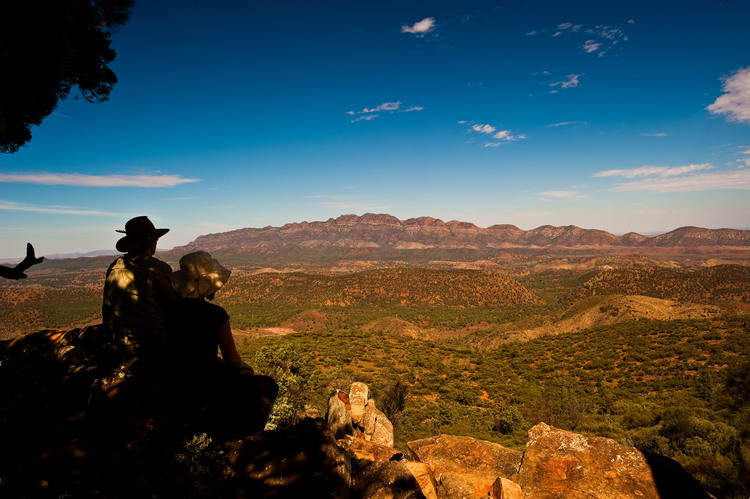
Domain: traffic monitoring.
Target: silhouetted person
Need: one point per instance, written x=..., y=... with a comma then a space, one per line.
x=137, y=291
x=17, y=272
x=232, y=399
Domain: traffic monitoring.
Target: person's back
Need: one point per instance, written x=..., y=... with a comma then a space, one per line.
x=137, y=291
x=224, y=396
x=193, y=339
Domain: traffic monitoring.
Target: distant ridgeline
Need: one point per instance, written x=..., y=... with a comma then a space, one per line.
x=382, y=233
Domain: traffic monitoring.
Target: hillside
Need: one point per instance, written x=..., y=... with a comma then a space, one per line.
x=455, y=288
x=720, y=283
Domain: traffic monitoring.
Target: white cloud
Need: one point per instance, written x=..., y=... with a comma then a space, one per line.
x=734, y=180
x=571, y=82
x=735, y=102
x=58, y=210
x=591, y=46
x=503, y=136
x=561, y=194
x=385, y=106
x=649, y=171
x=657, y=134
x=420, y=28
x=77, y=179
x=483, y=128
x=368, y=117
x=566, y=123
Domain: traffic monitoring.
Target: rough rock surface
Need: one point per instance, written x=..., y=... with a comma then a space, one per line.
x=465, y=466
x=359, y=394
x=377, y=427
x=505, y=489
x=560, y=464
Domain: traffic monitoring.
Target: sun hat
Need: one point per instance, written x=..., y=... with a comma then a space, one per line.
x=139, y=232
x=199, y=275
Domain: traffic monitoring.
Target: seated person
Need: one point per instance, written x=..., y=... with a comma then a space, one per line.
x=237, y=399
x=137, y=291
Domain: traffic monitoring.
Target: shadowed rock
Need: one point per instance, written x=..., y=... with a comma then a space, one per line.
x=465, y=466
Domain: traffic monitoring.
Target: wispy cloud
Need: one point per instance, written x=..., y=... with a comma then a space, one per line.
x=420, y=28
x=385, y=106
x=650, y=171
x=58, y=210
x=570, y=82
x=679, y=179
x=657, y=134
x=350, y=202
x=734, y=180
x=591, y=46
x=735, y=102
x=566, y=123
x=501, y=136
x=368, y=114
x=561, y=195
x=81, y=180
x=368, y=117
x=598, y=40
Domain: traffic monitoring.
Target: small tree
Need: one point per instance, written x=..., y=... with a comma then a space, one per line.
x=296, y=377
x=47, y=47
x=393, y=401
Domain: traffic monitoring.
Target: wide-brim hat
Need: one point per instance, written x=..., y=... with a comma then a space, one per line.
x=199, y=275
x=139, y=232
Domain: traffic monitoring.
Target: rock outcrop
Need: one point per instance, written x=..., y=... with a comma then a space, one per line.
x=560, y=464
x=465, y=466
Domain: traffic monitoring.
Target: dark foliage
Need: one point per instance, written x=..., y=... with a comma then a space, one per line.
x=46, y=48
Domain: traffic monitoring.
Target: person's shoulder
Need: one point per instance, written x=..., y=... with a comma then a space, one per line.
x=159, y=266
x=119, y=262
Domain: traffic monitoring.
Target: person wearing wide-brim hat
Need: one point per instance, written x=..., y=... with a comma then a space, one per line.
x=197, y=330
x=137, y=291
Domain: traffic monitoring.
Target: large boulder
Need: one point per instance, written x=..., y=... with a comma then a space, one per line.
x=560, y=464
x=465, y=466
x=377, y=427
x=356, y=414
x=383, y=480
x=339, y=416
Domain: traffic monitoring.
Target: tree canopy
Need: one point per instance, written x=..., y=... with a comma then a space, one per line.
x=47, y=47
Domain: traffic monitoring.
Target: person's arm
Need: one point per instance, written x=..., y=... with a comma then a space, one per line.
x=229, y=350
x=17, y=272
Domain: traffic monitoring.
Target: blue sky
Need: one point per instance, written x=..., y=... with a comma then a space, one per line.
x=615, y=115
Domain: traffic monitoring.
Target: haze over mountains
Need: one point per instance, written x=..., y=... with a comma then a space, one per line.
x=386, y=231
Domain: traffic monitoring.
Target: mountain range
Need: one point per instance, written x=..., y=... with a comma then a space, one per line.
x=381, y=231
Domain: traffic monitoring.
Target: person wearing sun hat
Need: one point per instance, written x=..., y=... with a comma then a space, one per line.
x=237, y=398
x=137, y=291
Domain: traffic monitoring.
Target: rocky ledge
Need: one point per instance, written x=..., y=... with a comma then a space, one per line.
x=54, y=447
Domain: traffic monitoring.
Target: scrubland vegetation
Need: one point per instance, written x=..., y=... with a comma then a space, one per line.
x=677, y=387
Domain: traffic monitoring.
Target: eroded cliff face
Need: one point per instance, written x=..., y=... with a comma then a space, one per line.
x=385, y=231
x=57, y=442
